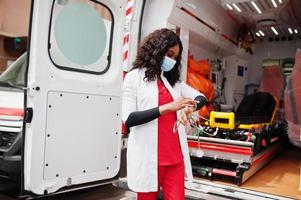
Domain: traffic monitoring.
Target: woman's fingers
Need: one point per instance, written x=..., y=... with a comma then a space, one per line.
x=184, y=120
x=183, y=102
x=189, y=102
x=183, y=116
x=186, y=106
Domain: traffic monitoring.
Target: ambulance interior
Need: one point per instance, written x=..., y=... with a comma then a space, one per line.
x=243, y=55
x=233, y=49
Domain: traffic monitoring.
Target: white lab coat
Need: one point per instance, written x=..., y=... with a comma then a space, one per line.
x=142, y=151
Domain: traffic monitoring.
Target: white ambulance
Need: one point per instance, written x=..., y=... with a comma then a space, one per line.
x=60, y=100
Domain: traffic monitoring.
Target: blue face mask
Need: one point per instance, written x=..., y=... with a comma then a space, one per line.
x=167, y=64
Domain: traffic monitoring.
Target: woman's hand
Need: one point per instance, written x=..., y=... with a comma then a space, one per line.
x=179, y=104
x=185, y=113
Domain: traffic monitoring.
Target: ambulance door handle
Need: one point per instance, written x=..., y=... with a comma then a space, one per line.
x=28, y=115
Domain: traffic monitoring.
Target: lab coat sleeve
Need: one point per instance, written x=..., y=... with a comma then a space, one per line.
x=129, y=94
x=189, y=92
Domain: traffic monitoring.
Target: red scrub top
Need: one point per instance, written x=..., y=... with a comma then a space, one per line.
x=169, y=149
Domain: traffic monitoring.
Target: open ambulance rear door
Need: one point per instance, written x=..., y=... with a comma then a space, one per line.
x=72, y=131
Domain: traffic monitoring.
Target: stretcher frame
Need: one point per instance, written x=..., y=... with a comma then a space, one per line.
x=232, y=159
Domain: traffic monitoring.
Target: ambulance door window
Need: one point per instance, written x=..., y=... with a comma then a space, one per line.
x=80, y=36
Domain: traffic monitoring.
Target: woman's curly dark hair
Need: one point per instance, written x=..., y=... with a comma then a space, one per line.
x=151, y=54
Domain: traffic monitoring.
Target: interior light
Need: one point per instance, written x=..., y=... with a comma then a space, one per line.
x=280, y=1
x=290, y=30
x=258, y=35
x=296, y=31
x=256, y=7
x=230, y=7
x=274, y=3
x=261, y=33
x=274, y=30
x=236, y=7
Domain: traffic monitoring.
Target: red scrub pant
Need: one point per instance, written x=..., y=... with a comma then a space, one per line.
x=171, y=179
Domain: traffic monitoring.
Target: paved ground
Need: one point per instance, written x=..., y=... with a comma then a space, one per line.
x=106, y=192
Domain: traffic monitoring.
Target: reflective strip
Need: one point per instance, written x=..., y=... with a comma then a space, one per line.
x=222, y=148
x=11, y=117
x=126, y=38
x=224, y=172
x=12, y=111
x=128, y=11
x=125, y=55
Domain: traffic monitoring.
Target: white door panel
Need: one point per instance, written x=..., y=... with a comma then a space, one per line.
x=84, y=124
x=84, y=136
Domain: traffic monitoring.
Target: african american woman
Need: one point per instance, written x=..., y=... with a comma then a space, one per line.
x=154, y=99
